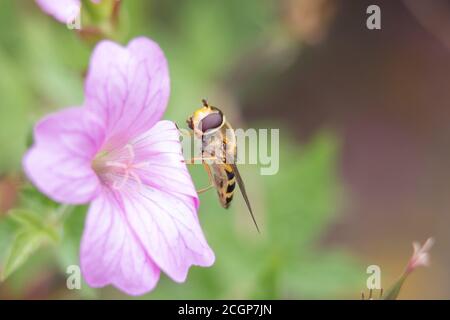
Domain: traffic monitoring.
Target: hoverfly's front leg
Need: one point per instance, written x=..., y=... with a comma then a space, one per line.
x=196, y=160
x=184, y=132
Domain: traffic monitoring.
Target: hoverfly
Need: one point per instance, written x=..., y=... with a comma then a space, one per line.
x=219, y=150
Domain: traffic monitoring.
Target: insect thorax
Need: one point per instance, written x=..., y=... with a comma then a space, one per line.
x=220, y=145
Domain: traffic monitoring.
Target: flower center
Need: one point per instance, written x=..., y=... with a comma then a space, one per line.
x=115, y=168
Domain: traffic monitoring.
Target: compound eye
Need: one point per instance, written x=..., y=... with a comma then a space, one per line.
x=211, y=121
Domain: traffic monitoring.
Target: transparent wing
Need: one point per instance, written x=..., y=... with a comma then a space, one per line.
x=244, y=193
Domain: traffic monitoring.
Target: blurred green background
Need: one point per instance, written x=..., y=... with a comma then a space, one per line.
x=363, y=118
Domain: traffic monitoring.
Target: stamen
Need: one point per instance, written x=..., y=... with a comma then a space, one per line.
x=116, y=164
x=137, y=179
x=130, y=151
x=127, y=166
x=117, y=185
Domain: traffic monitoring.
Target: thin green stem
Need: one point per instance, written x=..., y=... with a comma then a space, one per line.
x=62, y=212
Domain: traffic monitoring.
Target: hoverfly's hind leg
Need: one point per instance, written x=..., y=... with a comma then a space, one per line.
x=207, y=168
x=211, y=182
x=203, y=190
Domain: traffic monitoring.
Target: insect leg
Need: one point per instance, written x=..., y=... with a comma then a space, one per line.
x=200, y=191
x=200, y=159
x=185, y=133
x=211, y=183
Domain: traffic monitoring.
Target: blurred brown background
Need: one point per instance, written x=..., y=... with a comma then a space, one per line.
x=388, y=93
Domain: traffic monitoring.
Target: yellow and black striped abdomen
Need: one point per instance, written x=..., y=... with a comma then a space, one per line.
x=228, y=190
x=225, y=182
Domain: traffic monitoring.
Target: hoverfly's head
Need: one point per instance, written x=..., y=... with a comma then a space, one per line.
x=206, y=120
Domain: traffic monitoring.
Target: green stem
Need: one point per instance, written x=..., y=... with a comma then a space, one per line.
x=90, y=10
x=62, y=213
x=394, y=291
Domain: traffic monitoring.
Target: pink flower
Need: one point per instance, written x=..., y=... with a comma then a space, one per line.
x=115, y=153
x=64, y=11
x=421, y=256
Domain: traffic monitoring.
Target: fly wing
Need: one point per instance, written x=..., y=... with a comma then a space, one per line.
x=244, y=193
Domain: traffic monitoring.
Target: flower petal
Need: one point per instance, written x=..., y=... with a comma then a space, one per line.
x=162, y=209
x=64, y=11
x=110, y=252
x=165, y=169
x=168, y=229
x=128, y=87
x=59, y=162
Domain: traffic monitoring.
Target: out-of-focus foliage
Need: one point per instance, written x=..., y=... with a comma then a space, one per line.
x=41, y=69
x=285, y=261
x=31, y=234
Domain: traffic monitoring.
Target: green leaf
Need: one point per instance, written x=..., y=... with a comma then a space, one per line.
x=311, y=192
x=24, y=245
x=31, y=221
x=33, y=232
x=7, y=232
x=332, y=274
x=25, y=218
x=30, y=197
